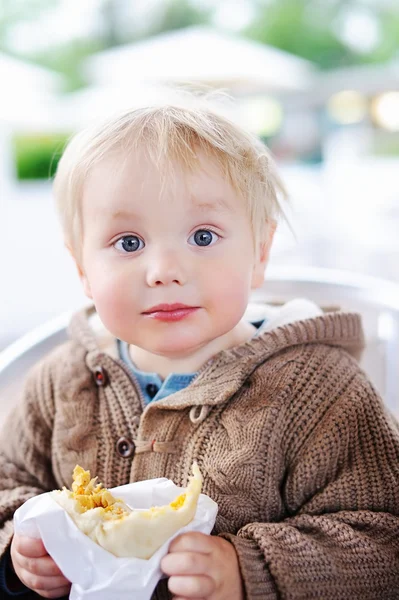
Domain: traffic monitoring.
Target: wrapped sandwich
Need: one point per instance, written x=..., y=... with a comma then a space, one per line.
x=120, y=529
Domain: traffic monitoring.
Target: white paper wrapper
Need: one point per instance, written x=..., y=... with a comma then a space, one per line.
x=95, y=573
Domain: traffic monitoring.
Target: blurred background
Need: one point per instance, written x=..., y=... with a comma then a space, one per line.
x=318, y=80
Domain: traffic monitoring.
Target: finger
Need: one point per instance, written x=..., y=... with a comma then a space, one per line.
x=57, y=593
x=186, y=563
x=181, y=598
x=191, y=587
x=27, y=546
x=38, y=582
x=43, y=566
x=192, y=542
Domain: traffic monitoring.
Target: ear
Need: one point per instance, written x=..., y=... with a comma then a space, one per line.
x=81, y=273
x=258, y=273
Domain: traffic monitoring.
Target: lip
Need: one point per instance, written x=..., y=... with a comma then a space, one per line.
x=166, y=308
x=170, y=312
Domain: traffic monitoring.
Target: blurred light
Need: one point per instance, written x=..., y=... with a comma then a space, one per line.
x=385, y=110
x=262, y=115
x=347, y=107
x=358, y=28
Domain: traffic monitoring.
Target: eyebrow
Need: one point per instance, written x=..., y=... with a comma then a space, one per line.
x=124, y=214
x=217, y=205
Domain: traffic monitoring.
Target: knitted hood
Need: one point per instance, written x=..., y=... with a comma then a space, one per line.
x=337, y=329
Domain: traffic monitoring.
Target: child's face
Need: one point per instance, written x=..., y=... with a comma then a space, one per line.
x=188, y=244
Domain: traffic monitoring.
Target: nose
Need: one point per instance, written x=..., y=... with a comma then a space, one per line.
x=165, y=268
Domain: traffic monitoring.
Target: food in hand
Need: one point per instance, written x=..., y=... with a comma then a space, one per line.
x=123, y=531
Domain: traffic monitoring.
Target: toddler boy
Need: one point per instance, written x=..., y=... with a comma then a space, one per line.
x=169, y=213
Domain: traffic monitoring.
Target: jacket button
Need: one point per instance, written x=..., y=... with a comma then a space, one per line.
x=151, y=389
x=125, y=447
x=100, y=376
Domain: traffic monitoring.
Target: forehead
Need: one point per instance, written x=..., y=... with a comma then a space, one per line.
x=136, y=178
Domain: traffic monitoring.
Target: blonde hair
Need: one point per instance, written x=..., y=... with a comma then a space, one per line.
x=168, y=132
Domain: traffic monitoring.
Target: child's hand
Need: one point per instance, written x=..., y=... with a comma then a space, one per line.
x=36, y=569
x=203, y=566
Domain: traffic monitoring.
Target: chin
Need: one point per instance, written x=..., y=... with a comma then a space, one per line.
x=176, y=348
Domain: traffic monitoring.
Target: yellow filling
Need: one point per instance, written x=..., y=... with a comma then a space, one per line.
x=178, y=502
x=90, y=494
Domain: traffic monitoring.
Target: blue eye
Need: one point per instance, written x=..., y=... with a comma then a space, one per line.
x=129, y=243
x=203, y=237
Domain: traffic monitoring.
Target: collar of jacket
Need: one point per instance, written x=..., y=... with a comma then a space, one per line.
x=222, y=376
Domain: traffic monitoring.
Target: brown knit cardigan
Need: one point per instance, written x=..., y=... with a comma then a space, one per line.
x=294, y=444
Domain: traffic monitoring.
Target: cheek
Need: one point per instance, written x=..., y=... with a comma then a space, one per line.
x=112, y=297
x=227, y=287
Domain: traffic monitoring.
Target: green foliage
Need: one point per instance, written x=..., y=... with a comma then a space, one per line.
x=67, y=59
x=178, y=14
x=302, y=27
x=306, y=28
x=389, y=45
x=37, y=155
x=386, y=144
